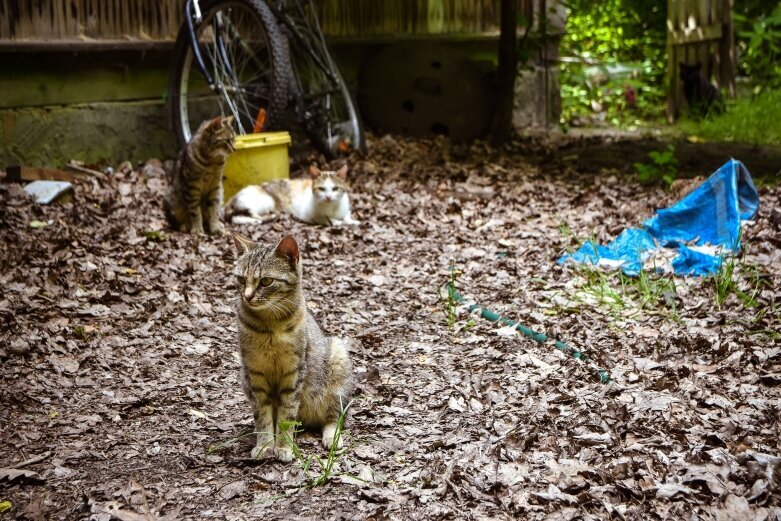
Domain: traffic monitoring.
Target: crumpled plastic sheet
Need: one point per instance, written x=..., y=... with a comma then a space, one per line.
x=700, y=229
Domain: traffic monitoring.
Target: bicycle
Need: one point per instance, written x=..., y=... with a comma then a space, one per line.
x=257, y=60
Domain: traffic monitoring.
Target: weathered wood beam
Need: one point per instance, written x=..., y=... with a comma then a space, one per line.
x=695, y=35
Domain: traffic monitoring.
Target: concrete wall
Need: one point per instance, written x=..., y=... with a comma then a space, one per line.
x=94, y=107
x=111, y=106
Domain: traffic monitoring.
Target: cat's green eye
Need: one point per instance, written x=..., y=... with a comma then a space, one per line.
x=266, y=281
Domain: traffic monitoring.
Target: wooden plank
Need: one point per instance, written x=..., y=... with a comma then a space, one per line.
x=695, y=35
x=83, y=45
x=671, y=74
x=29, y=173
x=702, y=8
x=727, y=50
x=118, y=19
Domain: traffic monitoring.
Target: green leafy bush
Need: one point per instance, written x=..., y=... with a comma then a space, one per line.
x=759, y=44
x=613, y=60
x=663, y=167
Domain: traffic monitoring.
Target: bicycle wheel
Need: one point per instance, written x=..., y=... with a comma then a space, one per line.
x=324, y=105
x=248, y=59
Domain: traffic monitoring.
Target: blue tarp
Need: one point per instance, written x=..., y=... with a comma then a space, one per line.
x=709, y=215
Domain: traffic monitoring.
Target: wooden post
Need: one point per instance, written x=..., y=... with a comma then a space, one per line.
x=727, y=52
x=506, y=72
x=699, y=31
x=672, y=62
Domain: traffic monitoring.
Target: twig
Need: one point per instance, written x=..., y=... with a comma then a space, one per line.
x=36, y=459
x=85, y=170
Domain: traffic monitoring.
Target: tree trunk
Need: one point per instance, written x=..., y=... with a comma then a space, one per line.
x=501, y=125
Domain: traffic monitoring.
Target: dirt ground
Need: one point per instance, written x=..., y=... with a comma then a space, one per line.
x=120, y=396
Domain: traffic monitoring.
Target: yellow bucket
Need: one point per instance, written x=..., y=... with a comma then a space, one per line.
x=258, y=158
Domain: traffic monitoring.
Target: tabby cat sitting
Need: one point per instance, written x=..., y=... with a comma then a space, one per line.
x=290, y=369
x=195, y=195
x=324, y=198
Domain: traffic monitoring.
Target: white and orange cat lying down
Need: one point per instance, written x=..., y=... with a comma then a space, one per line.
x=324, y=198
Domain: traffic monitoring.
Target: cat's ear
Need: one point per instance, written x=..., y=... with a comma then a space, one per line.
x=314, y=171
x=288, y=248
x=243, y=245
x=227, y=122
x=342, y=172
x=216, y=122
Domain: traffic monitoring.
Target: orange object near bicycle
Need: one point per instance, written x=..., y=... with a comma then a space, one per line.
x=260, y=122
x=255, y=60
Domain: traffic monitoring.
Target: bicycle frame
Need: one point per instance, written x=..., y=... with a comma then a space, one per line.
x=302, y=66
x=282, y=12
x=192, y=16
x=287, y=20
x=193, y=19
x=192, y=10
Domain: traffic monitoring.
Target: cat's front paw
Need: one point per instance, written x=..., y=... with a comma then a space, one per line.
x=262, y=452
x=329, y=432
x=217, y=228
x=197, y=230
x=283, y=454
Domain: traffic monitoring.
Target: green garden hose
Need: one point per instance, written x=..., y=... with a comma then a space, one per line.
x=604, y=377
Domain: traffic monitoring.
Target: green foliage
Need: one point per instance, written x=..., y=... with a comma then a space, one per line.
x=759, y=44
x=620, y=294
x=653, y=290
x=663, y=167
x=739, y=278
x=155, y=235
x=754, y=119
x=325, y=468
x=614, y=60
x=317, y=470
x=616, y=30
x=449, y=300
x=596, y=289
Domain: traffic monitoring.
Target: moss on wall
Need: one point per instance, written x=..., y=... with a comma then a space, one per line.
x=105, y=133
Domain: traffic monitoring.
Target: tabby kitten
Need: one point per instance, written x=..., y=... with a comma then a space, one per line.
x=291, y=370
x=324, y=198
x=195, y=196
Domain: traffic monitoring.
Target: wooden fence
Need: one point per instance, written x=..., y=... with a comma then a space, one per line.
x=99, y=24
x=88, y=23
x=699, y=31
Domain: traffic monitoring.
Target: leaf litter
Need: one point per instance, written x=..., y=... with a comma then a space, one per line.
x=118, y=342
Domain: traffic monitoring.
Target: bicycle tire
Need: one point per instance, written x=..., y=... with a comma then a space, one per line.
x=183, y=69
x=342, y=124
x=357, y=135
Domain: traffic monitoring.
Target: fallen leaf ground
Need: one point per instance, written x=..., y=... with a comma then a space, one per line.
x=119, y=363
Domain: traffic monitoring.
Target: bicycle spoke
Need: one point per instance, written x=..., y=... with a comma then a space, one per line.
x=237, y=45
x=231, y=75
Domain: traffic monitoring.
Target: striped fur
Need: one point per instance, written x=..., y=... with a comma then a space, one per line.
x=290, y=369
x=195, y=196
